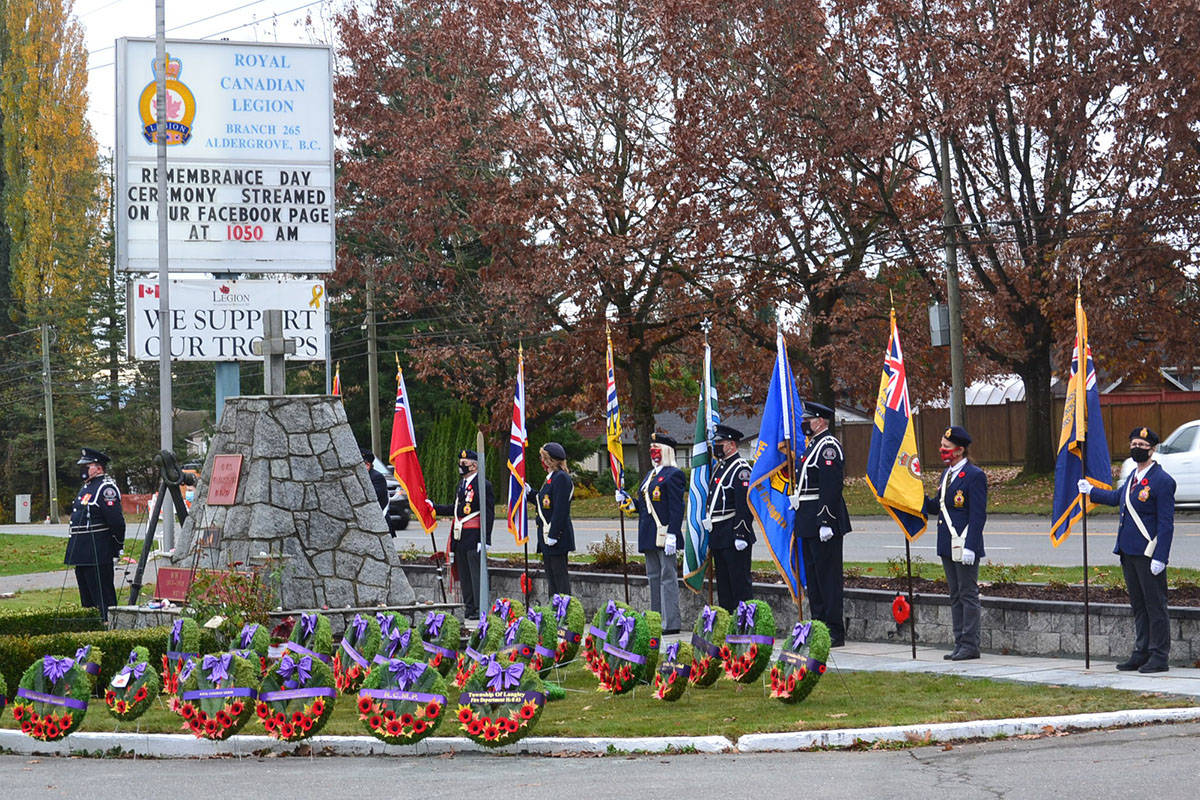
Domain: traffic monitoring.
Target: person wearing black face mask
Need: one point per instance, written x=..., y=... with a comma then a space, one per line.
x=961, y=510
x=468, y=518
x=1147, y=503
x=97, y=533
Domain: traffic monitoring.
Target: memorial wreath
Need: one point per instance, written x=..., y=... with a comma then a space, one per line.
x=254, y=643
x=593, y=638
x=296, y=697
x=313, y=637
x=352, y=661
x=216, y=695
x=671, y=679
x=748, y=645
x=133, y=688
x=395, y=637
x=711, y=628
x=439, y=641
x=52, y=698
x=183, y=645
x=485, y=639
x=544, y=653
x=624, y=652
x=501, y=702
x=569, y=620
x=801, y=662
x=507, y=609
x=402, y=701
x=90, y=658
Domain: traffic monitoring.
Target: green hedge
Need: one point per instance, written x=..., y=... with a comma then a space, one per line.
x=57, y=620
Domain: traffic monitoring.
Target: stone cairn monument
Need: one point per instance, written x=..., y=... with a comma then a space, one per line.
x=301, y=491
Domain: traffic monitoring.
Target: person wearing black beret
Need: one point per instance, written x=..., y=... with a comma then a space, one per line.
x=378, y=482
x=728, y=520
x=961, y=509
x=1144, y=533
x=822, y=519
x=97, y=533
x=469, y=515
x=555, y=533
x=659, y=502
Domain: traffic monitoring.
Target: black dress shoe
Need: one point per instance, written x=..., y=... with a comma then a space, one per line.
x=1153, y=666
x=1130, y=664
x=950, y=656
x=964, y=655
x=669, y=631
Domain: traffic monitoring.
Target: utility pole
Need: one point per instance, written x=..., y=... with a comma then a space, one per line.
x=166, y=403
x=373, y=363
x=958, y=402
x=51, y=459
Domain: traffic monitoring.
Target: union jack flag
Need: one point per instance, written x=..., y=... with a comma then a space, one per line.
x=897, y=378
x=518, y=439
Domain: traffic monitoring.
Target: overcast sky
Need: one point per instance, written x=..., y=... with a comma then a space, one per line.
x=104, y=21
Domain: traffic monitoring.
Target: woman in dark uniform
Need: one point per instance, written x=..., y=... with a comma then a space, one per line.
x=556, y=535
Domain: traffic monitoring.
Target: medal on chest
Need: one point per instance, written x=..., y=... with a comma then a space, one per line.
x=546, y=501
x=1144, y=494
x=656, y=495
x=959, y=500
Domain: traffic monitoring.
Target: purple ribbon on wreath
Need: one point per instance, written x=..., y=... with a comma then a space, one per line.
x=708, y=618
x=672, y=651
x=248, y=631
x=397, y=641
x=135, y=669
x=482, y=630
x=560, y=602
x=55, y=668
x=610, y=612
x=510, y=633
x=385, y=623
x=500, y=678
x=626, y=625
x=176, y=632
x=800, y=634
x=217, y=667
x=308, y=624
x=502, y=608
x=433, y=622
x=745, y=615
x=186, y=670
x=535, y=617
x=405, y=674
x=81, y=656
x=295, y=671
x=360, y=627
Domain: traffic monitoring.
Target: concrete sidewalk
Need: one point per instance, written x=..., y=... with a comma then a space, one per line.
x=58, y=579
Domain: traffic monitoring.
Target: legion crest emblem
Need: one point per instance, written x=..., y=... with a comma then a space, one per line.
x=181, y=106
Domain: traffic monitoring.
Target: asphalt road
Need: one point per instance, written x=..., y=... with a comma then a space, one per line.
x=1157, y=761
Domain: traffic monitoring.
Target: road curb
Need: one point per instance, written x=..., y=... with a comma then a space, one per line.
x=171, y=745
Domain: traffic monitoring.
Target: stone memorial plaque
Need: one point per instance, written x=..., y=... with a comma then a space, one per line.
x=172, y=583
x=222, y=488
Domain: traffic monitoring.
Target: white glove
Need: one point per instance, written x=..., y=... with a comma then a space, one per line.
x=669, y=548
x=794, y=501
x=1085, y=486
x=621, y=496
x=478, y=546
x=740, y=544
x=968, y=557
x=826, y=533
x=1156, y=566
x=551, y=542
x=429, y=503
x=706, y=523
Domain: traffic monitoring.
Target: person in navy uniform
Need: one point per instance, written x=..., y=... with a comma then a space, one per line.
x=659, y=503
x=555, y=533
x=822, y=519
x=465, y=525
x=1147, y=503
x=97, y=533
x=961, y=509
x=378, y=482
x=731, y=532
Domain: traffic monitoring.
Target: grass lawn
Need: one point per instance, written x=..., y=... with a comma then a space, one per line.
x=840, y=700
x=21, y=554
x=62, y=598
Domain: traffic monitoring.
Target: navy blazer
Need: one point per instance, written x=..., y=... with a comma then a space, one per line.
x=966, y=503
x=825, y=475
x=1153, y=497
x=667, y=489
x=97, y=523
x=554, y=500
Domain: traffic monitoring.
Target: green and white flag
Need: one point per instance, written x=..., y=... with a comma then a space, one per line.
x=695, y=546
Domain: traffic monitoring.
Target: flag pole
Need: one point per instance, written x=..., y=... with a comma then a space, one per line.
x=790, y=435
x=1087, y=614
x=912, y=620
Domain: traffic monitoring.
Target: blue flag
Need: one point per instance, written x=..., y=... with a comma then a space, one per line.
x=780, y=447
x=695, y=542
x=1082, y=432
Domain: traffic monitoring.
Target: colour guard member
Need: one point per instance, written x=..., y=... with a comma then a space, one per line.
x=556, y=533
x=464, y=529
x=822, y=519
x=729, y=521
x=1147, y=503
x=378, y=482
x=97, y=533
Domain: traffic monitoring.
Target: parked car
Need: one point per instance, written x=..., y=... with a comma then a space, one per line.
x=1179, y=455
x=398, y=511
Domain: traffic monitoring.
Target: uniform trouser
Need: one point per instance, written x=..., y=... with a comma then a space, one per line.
x=663, y=577
x=823, y=571
x=96, y=588
x=466, y=558
x=963, y=583
x=1148, y=599
x=733, y=577
x=557, y=579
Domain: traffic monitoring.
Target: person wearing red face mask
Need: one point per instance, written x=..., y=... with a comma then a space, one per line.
x=961, y=509
x=1147, y=502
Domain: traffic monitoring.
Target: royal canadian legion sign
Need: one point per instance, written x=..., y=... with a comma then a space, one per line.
x=250, y=157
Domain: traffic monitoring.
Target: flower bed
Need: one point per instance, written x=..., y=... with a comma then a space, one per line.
x=748, y=645
x=402, y=701
x=133, y=688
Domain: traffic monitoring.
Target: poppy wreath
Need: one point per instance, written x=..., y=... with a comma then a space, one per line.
x=671, y=678
x=216, y=695
x=438, y=641
x=748, y=645
x=545, y=653
x=90, y=659
x=254, y=642
x=485, y=639
x=712, y=626
x=801, y=662
x=312, y=637
x=507, y=609
x=396, y=638
x=654, y=626
x=402, y=701
x=52, y=698
x=593, y=638
x=520, y=642
x=296, y=697
x=133, y=688
x=183, y=645
x=626, y=645
x=352, y=661
x=501, y=702
x=569, y=621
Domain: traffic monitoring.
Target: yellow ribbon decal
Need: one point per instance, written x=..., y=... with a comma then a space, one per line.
x=318, y=291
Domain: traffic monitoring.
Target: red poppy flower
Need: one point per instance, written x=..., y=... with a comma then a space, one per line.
x=394, y=728
x=121, y=706
x=263, y=711
x=306, y=723
x=38, y=730
x=527, y=712
x=491, y=733
x=280, y=718
x=286, y=730
x=210, y=727
x=66, y=721
x=962, y=473
x=51, y=731
x=109, y=696
x=388, y=714
x=437, y=660
x=419, y=726
x=196, y=727
x=406, y=719
x=26, y=727
x=236, y=708
x=433, y=709
x=364, y=705
x=465, y=715
x=375, y=721
x=269, y=725
x=140, y=694
x=18, y=712
x=297, y=716
x=475, y=728
x=318, y=707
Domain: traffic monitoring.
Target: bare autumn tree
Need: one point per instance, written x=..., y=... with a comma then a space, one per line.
x=1056, y=172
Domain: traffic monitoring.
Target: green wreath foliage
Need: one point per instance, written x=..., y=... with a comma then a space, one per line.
x=352, y=661
x=254, y=642
x=570, y=621
x=486, y=638
x=397, y=639
x=90, y=658
x=132, y=690
x=520, y=642
x=507, y=609
x=708, y=634
x=296, y=697
x=226, y=713
x=625, y=650
x=749, y=643
x=671, y=677
x=654, y=626
x=402, y=701
x=183, y=644
x=801, y=662
x=3, y=693
x=593, y=638
x=545, y=650
x=51, y=698
x=501, y=703
x=312, y=636
x=440, y=649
